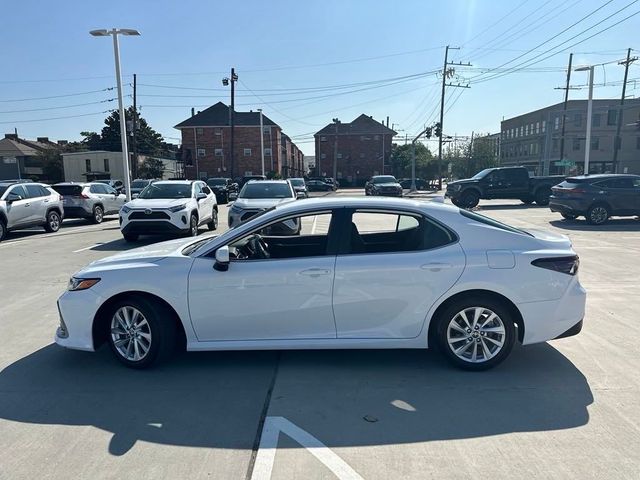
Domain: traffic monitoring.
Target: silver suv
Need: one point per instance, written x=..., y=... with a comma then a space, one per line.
x=89, y=200
x=24, y=205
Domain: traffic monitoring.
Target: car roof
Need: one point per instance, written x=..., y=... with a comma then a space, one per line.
x=68, y=184
x=601, y=176
x=268, y=181
x=367, y=203
x=176, y=182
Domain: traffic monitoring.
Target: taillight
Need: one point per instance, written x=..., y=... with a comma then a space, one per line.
x=577, y=190
x=84, y=195
x=568, y=265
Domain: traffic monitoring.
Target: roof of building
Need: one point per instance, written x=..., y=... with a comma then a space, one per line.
x=362, y=125
x=218, y=116
x=12, y=147
x=598, y=103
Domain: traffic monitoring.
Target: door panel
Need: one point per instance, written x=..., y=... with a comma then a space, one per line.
x=388, y=295
x=19, y=212
x=262, y=299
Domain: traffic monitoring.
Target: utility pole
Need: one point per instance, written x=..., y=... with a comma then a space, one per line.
x=335, y=151
x=617, y=142
x=564, y=108
x=134, y=130
x=445, y=75
x=225, y=81
x=261, y=141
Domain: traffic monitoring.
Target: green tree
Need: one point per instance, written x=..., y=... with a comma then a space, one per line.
x=52, y=169
x=151, y=168
x=148, y=141
x=467, y=159
x=401, y=161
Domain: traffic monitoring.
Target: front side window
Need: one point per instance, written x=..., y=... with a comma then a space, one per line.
x=392, y=232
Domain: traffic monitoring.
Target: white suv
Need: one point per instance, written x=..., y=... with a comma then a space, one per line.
x=171, y=206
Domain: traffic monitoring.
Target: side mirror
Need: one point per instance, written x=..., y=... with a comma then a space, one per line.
x=222, y=259
x=201, y=196
x=13, y=197
x=300, y=195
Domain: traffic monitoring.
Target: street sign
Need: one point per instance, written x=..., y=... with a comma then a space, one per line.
x=564, y=163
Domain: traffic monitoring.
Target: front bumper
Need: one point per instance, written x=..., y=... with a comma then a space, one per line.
x=152, y=227
x=160, y=222
x=235, y=218
x=388, y=193
x=77, y=311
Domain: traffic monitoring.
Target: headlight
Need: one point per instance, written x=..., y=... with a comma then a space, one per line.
x=125, y=209
x=76, y=284
x=177, y=208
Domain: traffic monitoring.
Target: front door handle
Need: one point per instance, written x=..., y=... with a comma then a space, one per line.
x=315, y=272
x=435, y=266
x=27, y=204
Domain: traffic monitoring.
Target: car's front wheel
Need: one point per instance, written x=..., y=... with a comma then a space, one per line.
x=193, y=226
x=470, y=199
x=476, y=333
x=141, y=332
x=53, y=222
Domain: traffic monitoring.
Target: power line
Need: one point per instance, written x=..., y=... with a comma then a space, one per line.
x=497, y=22
x=58, y=108
x=57, y=96
x=55, y=118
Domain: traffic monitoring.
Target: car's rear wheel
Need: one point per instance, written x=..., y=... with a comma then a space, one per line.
x=97, y=215
x=569, y=216
x=598, y=214
x=130, y=237
x=476, y=333
x=193, y=226
x=213, y=224
x=527, y=201
x=3, y=230
x=53, y=221
x=470, y=199
x=542, y=196
x=141, y=332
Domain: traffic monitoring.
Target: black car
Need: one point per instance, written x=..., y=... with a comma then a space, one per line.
x=597, y=197
x=420, y=184
x=246, y=178
x=222, y=187
x=386, y=185
x=318, y=186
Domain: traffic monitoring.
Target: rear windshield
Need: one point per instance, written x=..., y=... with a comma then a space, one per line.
x=139, y=183
x=217, y=181
x=266, y=190
x=68, y=190
x=297, y=182
x=490, y=221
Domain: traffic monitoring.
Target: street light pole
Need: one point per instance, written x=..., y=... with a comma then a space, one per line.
x=114, y=32
x=261, y=141
x=587, y=147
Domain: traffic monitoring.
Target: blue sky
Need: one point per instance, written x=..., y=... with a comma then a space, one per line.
x=283, y=50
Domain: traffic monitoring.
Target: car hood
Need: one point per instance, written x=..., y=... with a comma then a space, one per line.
x=156, y=202
x=387, y=185
x=465, y=181
x=249, y=203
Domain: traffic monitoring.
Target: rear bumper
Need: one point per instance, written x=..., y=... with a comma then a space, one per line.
x=76, y=212
x=571, y=207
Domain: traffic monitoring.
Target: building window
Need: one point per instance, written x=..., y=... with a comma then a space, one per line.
x=87, y=165
x=544, y=126
x=218, y=152
x=531, y=129
x=267, y=152
x=556, y=123
x=323, y=155
x=218, y=132
x=266, y=130
x=201, y=152
x=247, y=152
x=612, y=117
x=595, y=143
x=323, y=139
x=595, y=120
x=106, y=164
x=577, y=120
x=521, y=130
x=537, y=128
x=526, y=130
x=554, y=144
x=339, y=155
x=576, y=144
x=362, y=154
x=199, y=131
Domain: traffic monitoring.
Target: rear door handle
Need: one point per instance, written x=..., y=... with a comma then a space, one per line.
x=435, y=266
x=27, y=204
x=315, y=272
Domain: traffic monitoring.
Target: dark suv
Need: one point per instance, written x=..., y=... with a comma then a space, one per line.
x=597, y=197
x=223, y=188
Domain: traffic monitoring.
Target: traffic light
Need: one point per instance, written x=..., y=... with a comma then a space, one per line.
x=438, y=129
x=428, y=132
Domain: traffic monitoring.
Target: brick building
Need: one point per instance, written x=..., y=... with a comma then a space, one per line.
x=206, y=149
x=359, y=149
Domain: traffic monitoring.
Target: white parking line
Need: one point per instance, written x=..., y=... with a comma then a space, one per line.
x=88, y=248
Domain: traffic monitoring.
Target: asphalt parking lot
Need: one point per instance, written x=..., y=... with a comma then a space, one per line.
x=565, y=409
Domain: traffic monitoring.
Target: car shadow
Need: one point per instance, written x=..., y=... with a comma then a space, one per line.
x=344, y=398
x=612, y=225
x=506, y=206
x=121, y=244
x=107, y=224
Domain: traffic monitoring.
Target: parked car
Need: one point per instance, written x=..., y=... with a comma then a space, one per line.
x=367, y=273
x=332, y=182
x=91, y=200
x=299, y=186
x=29, y=204
x=420, y=184
x=258, y=196
x=502, y=182
x=169, y=207
x=116, y=184
x=597, y=197
x=318, y=186
x=223, y=188
x=386, y=185
x=138, y=185
x=248, y=178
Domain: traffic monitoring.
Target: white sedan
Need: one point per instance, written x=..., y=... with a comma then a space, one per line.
x=362, y=273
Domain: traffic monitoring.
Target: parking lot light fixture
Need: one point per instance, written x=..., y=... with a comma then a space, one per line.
x=587, y=147
x=114, y=32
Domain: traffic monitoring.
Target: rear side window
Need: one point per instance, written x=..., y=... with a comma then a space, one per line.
x=34, y=191
x=490, y=221
x=68, y=190
x=568, y=184
x=616, y=183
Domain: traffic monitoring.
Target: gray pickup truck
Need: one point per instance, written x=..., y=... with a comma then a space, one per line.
x=502, y=182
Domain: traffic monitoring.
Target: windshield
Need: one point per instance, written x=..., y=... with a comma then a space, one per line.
x=385, y=179
x=167, y=190
x=107, y=182
x=297, y=182
x=217, y=181
x=266, y=190
x=482, y=174
x=139, y=183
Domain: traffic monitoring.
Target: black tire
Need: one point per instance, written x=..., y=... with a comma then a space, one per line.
x=527, y=201
x=477, y=336
x=598, y=214
x=569, y=216
x=3, y=229
x=53, y=221
x=213, y=224
x=193, y=226
x=542, y=196
x=162, y=331
x=470, y=199
x=97, y=215
x=130, y=237
x=456, y=202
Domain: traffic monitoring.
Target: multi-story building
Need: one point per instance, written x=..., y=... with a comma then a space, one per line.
x=87, y=166
x=358, y=150
x=534, y=139
x=20, y=158
x=206, y=145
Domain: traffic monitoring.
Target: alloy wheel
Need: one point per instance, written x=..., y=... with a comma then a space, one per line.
x=54, y=221
x=130, y=333
x=98, y=214
x=194, y=226
x=476, y=334
x=599, y=215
